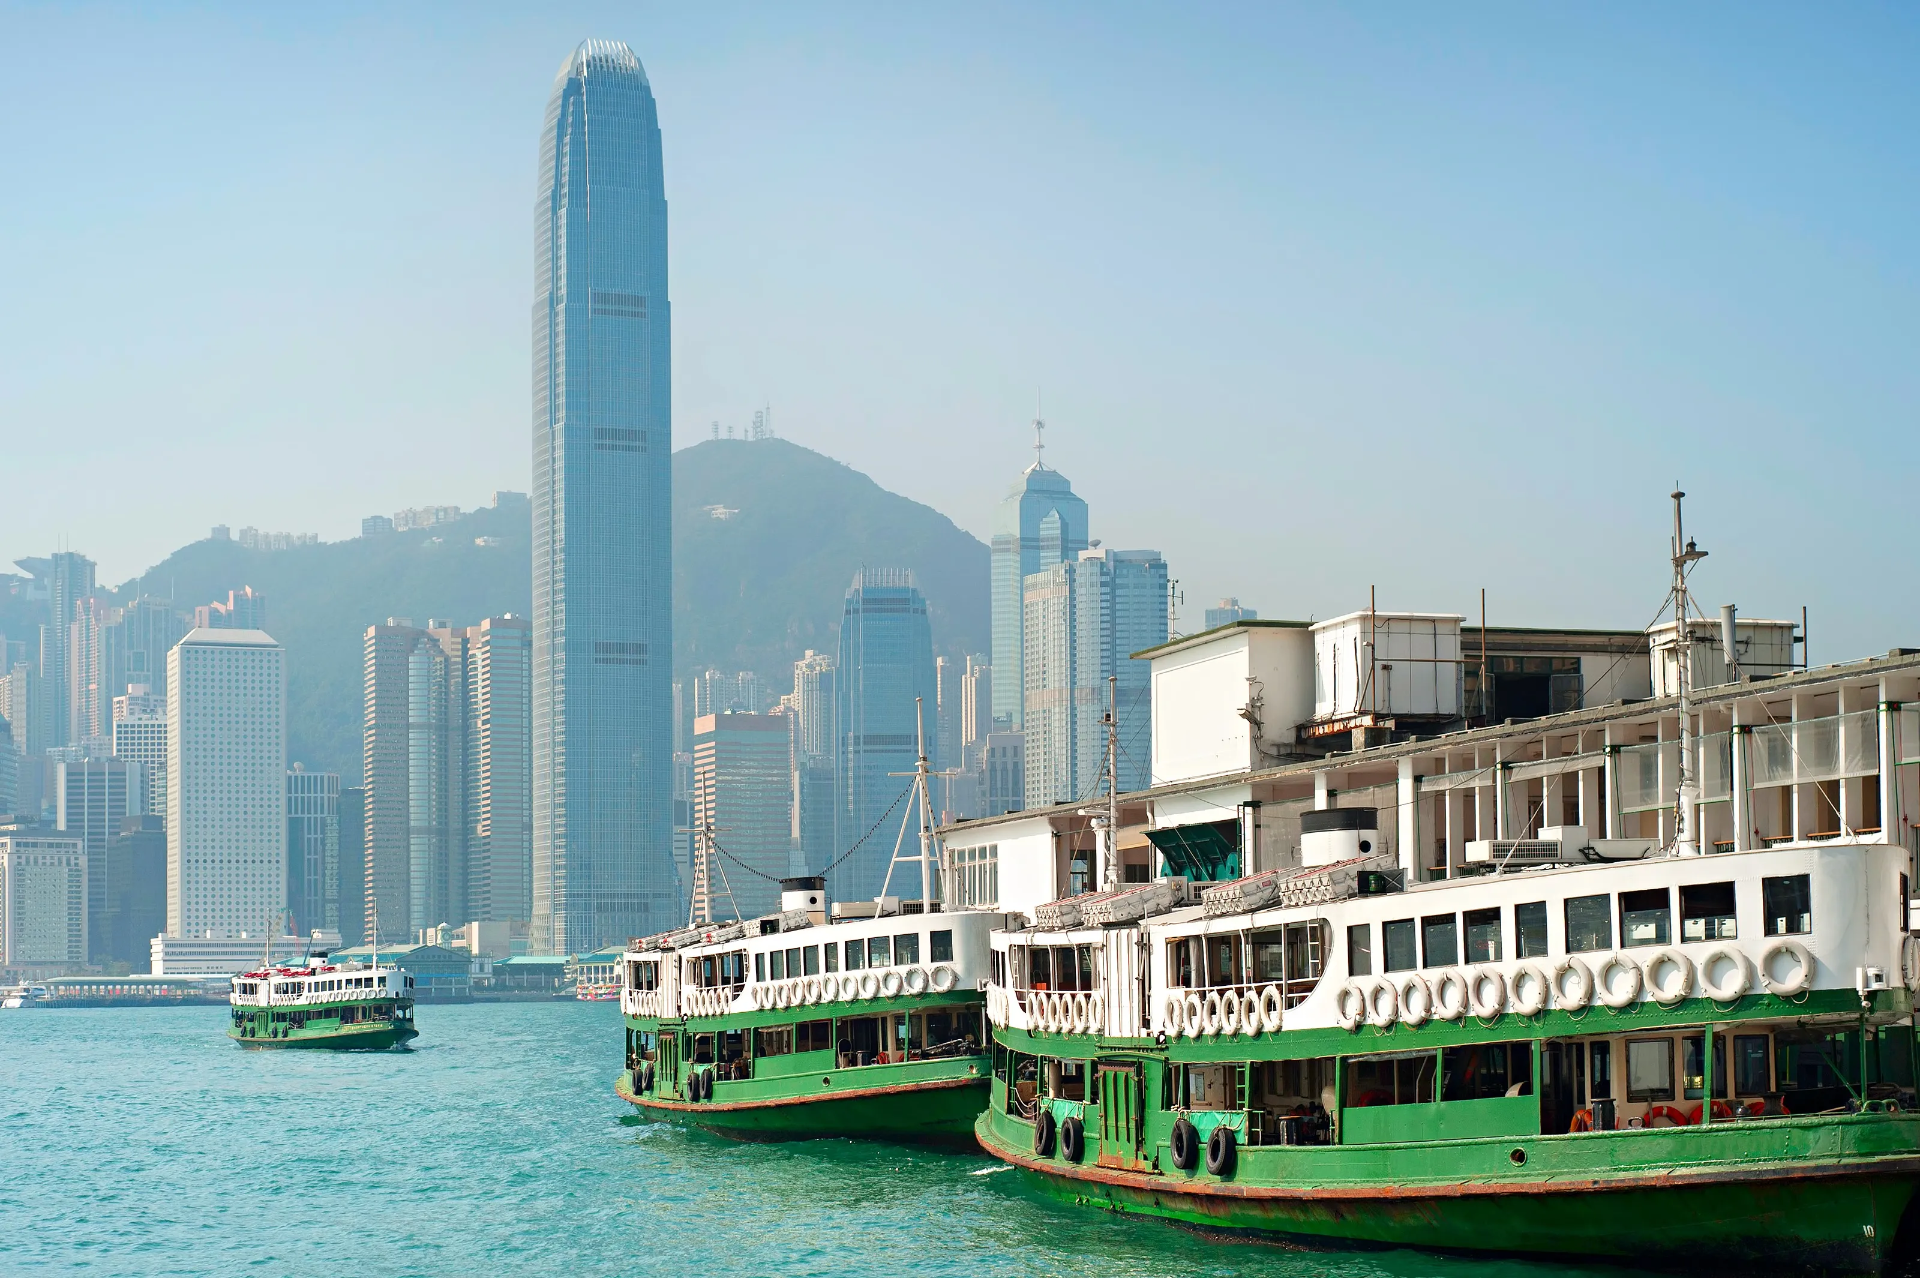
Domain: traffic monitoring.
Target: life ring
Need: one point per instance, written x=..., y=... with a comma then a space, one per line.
x=1720, y=1110
x=783, y=994
x=1096, y=1014
x=1604, y=989
x=1536, y=1002
x=760, y=996
x=1220, y=1152
x=1043, y=1012
x=869, y=985
x=1229, y=1013
x=1802, y=972
x=1173, y=1013
x=943, y=978
x=1043, y=1129
x=1668, y=993
x=1494, y=1003
x=1575, y=998
x=816, y=989
x=1350, y=1005
x=1416, y=1000
x=1450, y=996
x=1196, y=1017
x=890, y=983
x=1073, y=1139
x=1184, y=1144
x=1212, y=1012
x=1668, y=1112
x=1250, y=1013
x=1273, y=1010
x=1081, y=1018
x=1582, y=1121
x=915, y=980
x=1736, y=983
x=1383, y=1004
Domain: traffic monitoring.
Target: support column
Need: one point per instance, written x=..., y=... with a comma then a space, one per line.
x=1322, y=794
x=1502, y=800
x=1889, y=770
x=1407, y=792
x=1610, y=791
x=1740, y=744
x=1456, y=805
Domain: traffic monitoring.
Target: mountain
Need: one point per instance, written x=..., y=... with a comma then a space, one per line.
x=767, y=535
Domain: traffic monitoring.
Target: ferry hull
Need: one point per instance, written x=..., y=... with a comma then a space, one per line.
x=354, y=1038
x=936, y=1112
x=1785, y=1218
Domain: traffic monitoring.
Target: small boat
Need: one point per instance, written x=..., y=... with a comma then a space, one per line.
x=25, y=996
x=347, y=1006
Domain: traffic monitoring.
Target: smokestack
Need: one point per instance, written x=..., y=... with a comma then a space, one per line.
x=1729, y=648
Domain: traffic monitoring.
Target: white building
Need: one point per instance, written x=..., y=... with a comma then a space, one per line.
x=225, y=955
x=141, y=738
x=226, y=784
x=43, y=904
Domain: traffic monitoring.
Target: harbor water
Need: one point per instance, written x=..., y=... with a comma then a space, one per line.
x=143, y=1141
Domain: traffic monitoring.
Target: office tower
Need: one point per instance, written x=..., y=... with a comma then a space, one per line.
x=742, y=802
x=404, y=754
x=245, y=609
x=1228, y=611
x=63, y=579
x=136, y=892
x=814, y=697
x=1084, y=619
x=9, y=771
x=885, y=664
x=602, y=520
x=815, y=757
x=1039, y=523
x=152, y=627
x=226, y=783
x=351, y=891
x=499, y=771
x=43, y=902
x=943, y=744
x=96, y=667
x=976, y=706
x=94, y=796
x=313, y=850
x=140, y=737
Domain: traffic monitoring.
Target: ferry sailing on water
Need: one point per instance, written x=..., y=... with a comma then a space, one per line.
x=345, y=1006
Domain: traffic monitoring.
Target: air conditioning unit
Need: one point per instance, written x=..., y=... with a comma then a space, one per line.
x=1518, y=852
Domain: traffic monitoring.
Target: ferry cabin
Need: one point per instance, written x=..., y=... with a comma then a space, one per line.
x=278, y=1002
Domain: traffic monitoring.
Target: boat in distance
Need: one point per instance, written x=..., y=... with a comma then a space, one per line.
x=343, y=1007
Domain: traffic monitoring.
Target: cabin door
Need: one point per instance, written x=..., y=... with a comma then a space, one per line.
x=1122, y=1100
x=666, y=1074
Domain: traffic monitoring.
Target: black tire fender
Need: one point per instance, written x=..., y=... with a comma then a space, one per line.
x=1073, y=1140
x=1221, y=1151
x=1043, y=1131
x=1185, y=1143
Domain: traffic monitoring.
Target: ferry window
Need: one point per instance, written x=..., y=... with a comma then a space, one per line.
x=1600, y=1080
x=1360, y=949
x=1589, y=925
x=1694, y=1062
x=1223, y=960
x=1806, y=1060
x=1530, y=930
x=940, y=947
x=1646, y=918
x=1650, y=1069
x=776, y=1040
x=702, y=1049
x=1440, y=940
x=793, y=961
x=810, y=960
x=1269, y=956
x=1397, y=937
x=777, y=965
x=1486, y=1070
x=1069, y=1081
x=759, y=967
x=1397, y=1078
x=1306, y=955
x=1040, y=971
x=1483, y=936
x=832, y=949
x=906, y=948
x=1706, y=912
x=1751, y=1077
x=997, y=966
x=879, y=952
x=1086, y=967
x=813, y=1036
x=856, y=950
x=1207, y=1087
x=1787, y=904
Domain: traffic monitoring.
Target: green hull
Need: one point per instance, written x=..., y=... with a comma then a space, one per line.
x=937, y=1110
x=351, y=1038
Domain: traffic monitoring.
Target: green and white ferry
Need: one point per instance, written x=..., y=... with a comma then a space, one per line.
x=348, y=1006
x=791, y=1027
x=1516, y=941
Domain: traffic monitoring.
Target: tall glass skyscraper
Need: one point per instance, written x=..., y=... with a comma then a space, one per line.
x=602, y=534
x=1039, y=524
x=886, y=660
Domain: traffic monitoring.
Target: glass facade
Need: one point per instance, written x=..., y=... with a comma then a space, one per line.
x=1040, y=523
x=603, y=863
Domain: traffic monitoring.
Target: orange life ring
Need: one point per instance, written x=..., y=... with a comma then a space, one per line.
x=1720, y=1110
x=1669, y=1113
x=1582, y=1122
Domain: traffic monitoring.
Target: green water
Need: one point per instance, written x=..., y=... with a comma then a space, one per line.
x=137, y=1141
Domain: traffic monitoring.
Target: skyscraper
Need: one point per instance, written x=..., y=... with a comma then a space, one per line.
x=499, y=772
x=93, y=797
x=404, y=754
x=815, y=759
x=313, y=850
x=886, y=662
x=602, y=529
x=743, y=789
x=1039, y=523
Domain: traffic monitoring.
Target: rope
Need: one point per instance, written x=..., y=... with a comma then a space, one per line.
x=869, y=834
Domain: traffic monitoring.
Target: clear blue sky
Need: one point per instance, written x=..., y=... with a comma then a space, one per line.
x=1432, y=297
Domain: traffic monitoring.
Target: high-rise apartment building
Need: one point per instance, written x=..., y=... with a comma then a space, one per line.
x=140, y=737
x=884, y=691
x=499, y=771
x=742, y=807
x=1084, y=619
x=43, y=904
x=313, y=850
x=226, y=783
x=602, y=519
x=405, y=750
x=1040, y=523
x=976, y=706
x=66, y=578
x=245, y=609
x=96, y=667
x=815, y=759
x=93, y=797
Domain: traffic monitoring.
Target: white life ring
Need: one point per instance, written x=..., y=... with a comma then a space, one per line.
x=890, y=983
x=1173, y=1013
x=869, y=985
x=816, y=989
x=1273, y=1009
x=1383, y=1004
x=1213, y=1012
x=1250, y=1012
x=1535, y=1003
x=1736, y=982
x=783, y=995
x=1081, y=1014
x=760, y=996
x=1229, y=1013
x=1451, y=999
x=1195, y=1022
x=943, y=979
x=1604, y=988
x=1580, y=993
x=1910, y=961
x=916, y=980
x=1494, y=1003
x=1416, y=1000
x=1096, y=1014
x=1350, y=1005
x=1060, y=1013
x=1802, y=972
x=1667, y=993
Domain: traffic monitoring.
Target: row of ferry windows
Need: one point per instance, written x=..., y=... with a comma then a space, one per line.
x=902, y=950
x=1645, y=918
x=315, y=987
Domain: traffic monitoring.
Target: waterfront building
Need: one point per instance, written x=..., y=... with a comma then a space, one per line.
x=221, y=954
x=313, y=849
x=1039, y=523
x=742, y=806
x=93, y=797
x=43, y=903
x=883, y=684
x=136, y=893
x=226, y=783
x=1227, y=611
x=602, y=519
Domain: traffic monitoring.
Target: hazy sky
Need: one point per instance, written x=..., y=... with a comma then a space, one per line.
x=1433, y=297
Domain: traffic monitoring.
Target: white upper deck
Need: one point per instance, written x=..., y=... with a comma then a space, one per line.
x=319, y=984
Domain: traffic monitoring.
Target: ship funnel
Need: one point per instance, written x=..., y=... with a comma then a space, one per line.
x=808, y=893
x=1729, y=648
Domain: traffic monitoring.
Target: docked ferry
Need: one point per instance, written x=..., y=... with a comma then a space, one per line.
x=343, y=1006
x=1566, y=943
x=793, y=1027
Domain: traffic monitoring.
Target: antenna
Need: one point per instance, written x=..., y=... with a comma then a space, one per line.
x=1685, y=555
x=1039, y=434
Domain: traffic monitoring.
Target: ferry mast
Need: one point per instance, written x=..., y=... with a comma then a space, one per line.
x=1686, y=554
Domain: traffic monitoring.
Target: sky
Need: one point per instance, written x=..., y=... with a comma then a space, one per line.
x=1313, y=299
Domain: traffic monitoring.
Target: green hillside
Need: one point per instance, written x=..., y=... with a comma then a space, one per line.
x=766, y=537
